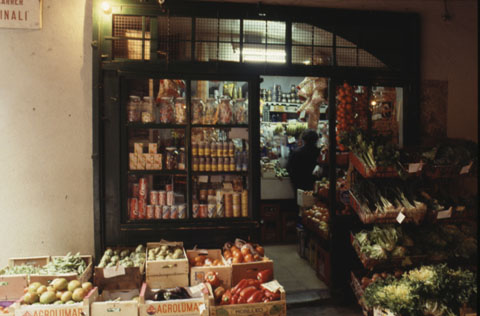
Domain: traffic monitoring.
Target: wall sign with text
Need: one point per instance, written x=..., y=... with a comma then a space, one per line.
x=21, y=14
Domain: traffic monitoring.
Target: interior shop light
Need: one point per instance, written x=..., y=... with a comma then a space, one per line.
x=106, y=8
x=264, y=55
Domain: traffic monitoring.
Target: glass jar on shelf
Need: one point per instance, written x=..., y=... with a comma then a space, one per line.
x=225, y=113
x=166, y=110
x=171, y=158
x=148, y=110
x=133, y=109
x=180, y=111
x=181, y=159
x=240, y=109
x=197, y=111
x=210, y=110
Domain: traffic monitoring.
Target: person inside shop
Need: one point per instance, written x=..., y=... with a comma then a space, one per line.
x=303, y=160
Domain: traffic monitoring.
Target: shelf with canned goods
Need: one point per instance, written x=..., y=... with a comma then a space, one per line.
x=222, y=125
x=157, y=172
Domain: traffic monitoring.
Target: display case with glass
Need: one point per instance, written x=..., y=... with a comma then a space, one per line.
x=186, y=152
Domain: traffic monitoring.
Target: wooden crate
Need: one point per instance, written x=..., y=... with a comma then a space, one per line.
x=197, y=274
x=120, y=278
x=323, y=265
x=84, y=277
x=197, y=306
x=379, y=172
x=106, y=306
x=167, y=273
x=274, y=308
x=8, y=307
x=76, y=309
x=12, y=286
x=249, y=270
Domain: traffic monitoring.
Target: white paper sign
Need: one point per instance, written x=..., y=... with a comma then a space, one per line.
x=400, y=217
x=445, y=214
x=111, y=272
x=21, y=14
x=302, y=115
x=272, y=286
x=414, y=167
x=466, y=169
x=237, y=132
x=291, y=139
x=203, y=179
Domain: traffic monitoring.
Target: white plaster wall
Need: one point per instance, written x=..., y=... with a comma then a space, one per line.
x=46, y=194
x=46, y=197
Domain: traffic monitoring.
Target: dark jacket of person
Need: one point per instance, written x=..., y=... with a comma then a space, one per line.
x=300, y=165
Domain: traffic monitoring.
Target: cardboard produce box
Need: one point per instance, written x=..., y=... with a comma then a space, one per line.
x=119, y=277
x=84, y=277
x=76, y=309
x=106, y=305
x=305, y=198
x=6, y=308
x=197, y=306
x=167, y=273
x=273, y=308
x=249, y=270
x=11, y=286
x=197, y=274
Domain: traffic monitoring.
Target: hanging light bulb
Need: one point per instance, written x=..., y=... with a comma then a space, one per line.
x=106, y=7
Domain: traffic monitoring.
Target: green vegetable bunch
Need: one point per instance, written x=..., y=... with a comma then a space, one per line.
x=125, y=257
x=428, y=290
x=383, y=242
x=67, y=264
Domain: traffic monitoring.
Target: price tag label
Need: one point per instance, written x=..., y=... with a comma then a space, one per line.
x=445, y=214
x=302, y=115
x=415, y=167
x=228, y=186
x=272, y=286
x=291, y=139
x=216, y=179
x=466, y=169
x=400, y=217
x=111, y=272
x=203, y=179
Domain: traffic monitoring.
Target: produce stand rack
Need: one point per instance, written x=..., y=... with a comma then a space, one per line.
x=359, y=292
x=441, y=171
x=314, y=228
x=380, y=172
x=84, y=277
x=389, y=218
x=341, y=160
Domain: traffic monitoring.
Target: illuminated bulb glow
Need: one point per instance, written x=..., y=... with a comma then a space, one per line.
x=374, y=102
x=105, y=7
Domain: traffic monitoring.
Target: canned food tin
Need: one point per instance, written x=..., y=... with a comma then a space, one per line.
x=135, y=188
x=220, y=210
x=226, y=164
x=157, y=212
x=170, y=198
x=166, y=212
x=203, y=211
x=174, y=212
x=168, y=187
x=133, y=208
x=182, y=211
x=150, y=212
x=225, y=149
x=219, y=164
x=195, y=164
x=194, y=149
x=232, y=164
x=208, y=164
x=142, y=209
x=142, y=188
x=201, y=164
x=211, y=192
x=219, y=146
x=203, y=194
x=207, y=149
x=154, y=197
x=236, y=211
x=214, y=164
x=231, y=149
x=201, y=149
x=195, y=210
x=162, y=197
x=211, y=210
x=228, y=205
x=236, y=199
x=213, y=149
x=244, y=210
